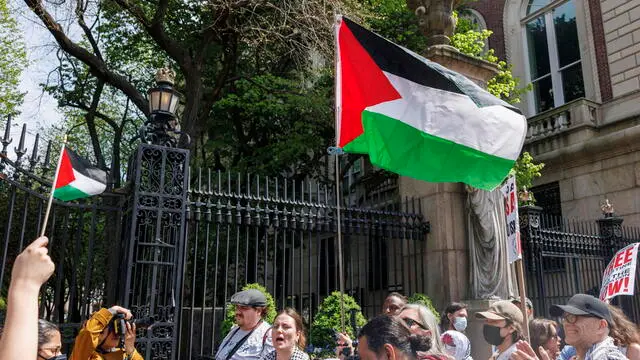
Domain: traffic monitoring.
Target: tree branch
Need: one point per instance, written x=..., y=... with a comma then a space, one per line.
x=95, y=64
x=80, y=8
x=155, y=30
x=98, y=114
x=91, y=124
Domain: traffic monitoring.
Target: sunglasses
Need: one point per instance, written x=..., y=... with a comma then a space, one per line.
x=410, y=322
x=571, y=318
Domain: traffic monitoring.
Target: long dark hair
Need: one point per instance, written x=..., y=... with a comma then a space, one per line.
x=391, y=330
x=452, y=308
x=540, y=332
x=45, y=331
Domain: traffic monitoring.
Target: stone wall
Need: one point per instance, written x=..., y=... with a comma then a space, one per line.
x=603, y=167
x=621, y=22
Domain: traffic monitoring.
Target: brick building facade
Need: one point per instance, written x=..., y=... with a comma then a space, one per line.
x=583, y=59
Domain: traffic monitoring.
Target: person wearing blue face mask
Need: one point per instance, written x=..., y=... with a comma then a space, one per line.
x=49, y=342
x=454, y=317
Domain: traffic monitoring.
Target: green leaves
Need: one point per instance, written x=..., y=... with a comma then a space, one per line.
x=270, y=124
x=13, y=60
x=327, y=321
x=471, y=41
x=393, y=20
x=526, y=170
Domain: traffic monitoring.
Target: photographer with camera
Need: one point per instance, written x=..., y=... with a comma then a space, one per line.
x=109, y=334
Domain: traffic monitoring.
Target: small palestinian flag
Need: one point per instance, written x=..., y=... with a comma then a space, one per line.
x=77, y=178
x=417, y=118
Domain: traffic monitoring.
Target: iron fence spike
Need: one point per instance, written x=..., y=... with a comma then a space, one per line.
x=21, y=150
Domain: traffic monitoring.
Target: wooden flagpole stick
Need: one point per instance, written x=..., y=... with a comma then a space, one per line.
x=53, y=188
x=523, y=297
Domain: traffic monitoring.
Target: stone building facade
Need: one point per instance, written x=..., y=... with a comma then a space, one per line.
x=583, y=59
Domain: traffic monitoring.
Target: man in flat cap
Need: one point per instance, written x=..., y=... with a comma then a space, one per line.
x=503, y=327
x=587, y=322
x=250, y=337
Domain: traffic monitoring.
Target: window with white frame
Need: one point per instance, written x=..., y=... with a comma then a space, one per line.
x=553, y=53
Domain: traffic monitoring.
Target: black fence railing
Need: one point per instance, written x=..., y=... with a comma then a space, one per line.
x=563, y=257
x=81, y=235
x=282, y=234
x=176, y=248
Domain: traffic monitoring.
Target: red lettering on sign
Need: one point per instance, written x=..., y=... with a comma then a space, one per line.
x=619, y=260
x=615, y=287
x=513, y=201
x=628, y=255
x=626, y=285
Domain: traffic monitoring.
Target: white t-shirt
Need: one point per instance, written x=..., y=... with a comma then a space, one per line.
x=257, y=344
x=505, y=355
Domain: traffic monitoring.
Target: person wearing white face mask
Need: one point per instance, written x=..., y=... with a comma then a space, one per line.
x=454, y=317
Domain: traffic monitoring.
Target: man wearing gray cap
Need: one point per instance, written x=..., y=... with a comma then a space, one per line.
x=586, y=322
x=250, y=337
x=503, y=328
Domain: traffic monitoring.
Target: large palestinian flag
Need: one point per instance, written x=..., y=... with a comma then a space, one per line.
x=417, y=118
x=77, y=178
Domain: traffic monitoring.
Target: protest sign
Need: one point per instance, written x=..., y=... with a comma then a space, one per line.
x=620, y=275
x=514, y=248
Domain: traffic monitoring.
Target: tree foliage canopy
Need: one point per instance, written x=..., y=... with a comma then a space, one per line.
x=253, y=75
x=13, y=60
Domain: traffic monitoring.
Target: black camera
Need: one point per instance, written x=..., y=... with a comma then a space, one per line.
x=118, y=325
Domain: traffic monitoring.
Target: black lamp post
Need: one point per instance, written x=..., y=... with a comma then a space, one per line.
x=163, y=128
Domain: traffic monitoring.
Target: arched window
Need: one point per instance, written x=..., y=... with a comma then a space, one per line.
x=477, y=21
x=553, y=53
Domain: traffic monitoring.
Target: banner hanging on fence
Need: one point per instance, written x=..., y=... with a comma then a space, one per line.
x=510, y=192
x=620, y=275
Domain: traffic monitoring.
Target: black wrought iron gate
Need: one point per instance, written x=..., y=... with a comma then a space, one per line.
x=175, y=247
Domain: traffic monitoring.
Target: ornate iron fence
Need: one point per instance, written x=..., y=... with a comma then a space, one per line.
x=281, y=234
x=81, y=235
x=564, y=257
x=177, y=252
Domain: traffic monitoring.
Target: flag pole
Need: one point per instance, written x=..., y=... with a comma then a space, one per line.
x=340, y=268
x=523, y=297
x=337, y=151
x=53, y=187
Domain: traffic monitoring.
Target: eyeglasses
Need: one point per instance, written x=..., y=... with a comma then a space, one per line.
x=410, y=322
x=572, y=318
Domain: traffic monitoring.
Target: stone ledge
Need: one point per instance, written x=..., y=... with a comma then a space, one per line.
x=478, y=70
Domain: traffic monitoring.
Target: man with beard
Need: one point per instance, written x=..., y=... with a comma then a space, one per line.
x=503, y=328
x=250, y=337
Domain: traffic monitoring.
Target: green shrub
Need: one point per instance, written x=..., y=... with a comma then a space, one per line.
x=230, y=313
x=423, y=299
x=327, y=320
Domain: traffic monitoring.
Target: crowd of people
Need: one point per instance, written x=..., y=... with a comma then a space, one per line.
x=589, y=329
